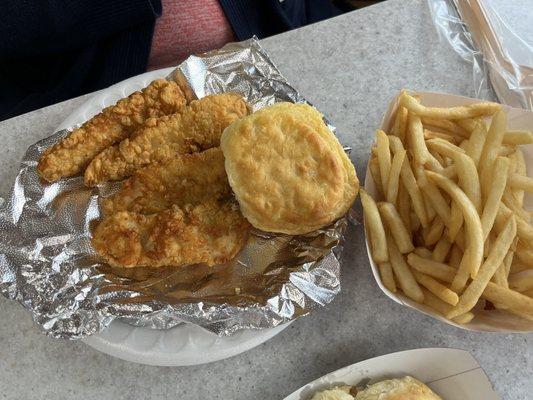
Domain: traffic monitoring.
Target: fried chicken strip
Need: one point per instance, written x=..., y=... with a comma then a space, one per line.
x=190, y=178
x=211, y=233
x=197, y=127
x=72, y=154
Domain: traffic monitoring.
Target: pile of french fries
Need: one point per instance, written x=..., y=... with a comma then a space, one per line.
x=448, y=227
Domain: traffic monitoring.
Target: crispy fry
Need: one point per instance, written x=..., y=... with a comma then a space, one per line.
x=469, y=179
x=461, y=112
x=387, y=276
x=394, y=176
x=398, y=230
x=472, y=221
x=411, y=185
x=384, y=158
x=420, y=151
x=518, y=137
x=490, y=150
x=435, y=197
x=444, y=147
x=493, y=200
x=405, y=277
x=473, y=292
x=437, y=288
x=378, y=242
x=447, y=125
x=508, y=297
x=443, y=308
x=432, y=268
x=400, y=123
x=376, y=175
x=476, y=143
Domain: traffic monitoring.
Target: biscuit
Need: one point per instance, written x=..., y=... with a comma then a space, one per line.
x=288, y=171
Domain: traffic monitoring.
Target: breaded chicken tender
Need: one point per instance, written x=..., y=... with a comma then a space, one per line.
x=189, y=178
x=211, y=233
x=197, y=127
x=72, y=154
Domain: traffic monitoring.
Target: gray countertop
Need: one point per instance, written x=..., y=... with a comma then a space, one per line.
x=349, y=67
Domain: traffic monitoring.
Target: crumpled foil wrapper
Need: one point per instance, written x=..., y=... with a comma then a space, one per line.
x=48, y=265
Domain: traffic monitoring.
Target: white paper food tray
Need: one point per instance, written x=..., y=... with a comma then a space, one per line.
x=488, y=321
x=452, y=374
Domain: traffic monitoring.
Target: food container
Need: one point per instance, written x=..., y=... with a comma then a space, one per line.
x=451, y=373
x=485, y=320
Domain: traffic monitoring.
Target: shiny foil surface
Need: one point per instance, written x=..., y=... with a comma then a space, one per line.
x=48, y=265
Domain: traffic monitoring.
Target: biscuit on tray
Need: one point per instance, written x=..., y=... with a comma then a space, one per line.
x=288, y=171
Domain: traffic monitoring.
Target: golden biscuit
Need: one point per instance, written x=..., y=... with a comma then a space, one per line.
x=288, y=171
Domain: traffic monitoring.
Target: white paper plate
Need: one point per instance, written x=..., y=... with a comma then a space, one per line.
x=185, y=344
x=452, y=374
x=489, y=321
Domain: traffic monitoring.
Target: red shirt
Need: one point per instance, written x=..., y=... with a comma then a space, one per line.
x=188, y=27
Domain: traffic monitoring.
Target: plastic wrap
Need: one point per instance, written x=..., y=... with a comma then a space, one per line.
x=501, y=57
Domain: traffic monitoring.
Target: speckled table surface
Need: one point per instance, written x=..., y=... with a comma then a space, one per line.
x=349, y=67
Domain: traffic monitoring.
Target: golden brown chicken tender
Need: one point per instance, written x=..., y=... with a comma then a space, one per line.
x=211, y=233
x=115, y=123
x=190, y=178
x=197, y=127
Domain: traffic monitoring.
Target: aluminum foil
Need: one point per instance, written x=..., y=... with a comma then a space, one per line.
x=48, y=265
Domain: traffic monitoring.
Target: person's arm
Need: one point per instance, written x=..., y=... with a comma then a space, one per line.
x=32, y=27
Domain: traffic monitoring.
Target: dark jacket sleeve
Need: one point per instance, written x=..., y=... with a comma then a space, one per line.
x=32, y=27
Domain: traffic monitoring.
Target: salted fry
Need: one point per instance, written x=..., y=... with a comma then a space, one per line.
x=518, y=137
x=378, y=242
x=521, y=281
x=406, y=280
x=387, y=276
x=476, y=143
x=473, y=292
x=411, y=185
x=490, y=150
x=472, y=220
x=384, y=158
x=443, y=308
x=437, y=288
x=394, y=223
x=461, y=112
x=376, y=175
x=447, y=125
x=394, y=176
x=441, y=250
x=434, y=233
x=520, y=182
x=435, y=197
x=509, y=298
x=416, y=139
x=469, y=179
x=432, y=268
x=444, y=147
x=494, y=197
x=400, y=123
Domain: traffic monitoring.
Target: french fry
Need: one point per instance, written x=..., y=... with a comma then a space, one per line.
x=444, y=147
x=506, y=150
x=406, y=280
x=456, y=221
x=394, y=223
x=376, y=175
x=400, y=123
x=472, y=221
x=463, y=273
x=403, y=204
x=455, y=257
x=394, y=176
x=387, y=276
x=434, y=232
x=443, y=308
x=493, y=200
x=518, y=137
x=490, y=150
x=501, y=275
x=429, y=134
x=520, y=165
x=423, y=252
x=411, y=185
x=441, y=250
x=521, y=281
x=435, y=197
x=520, y=182
x=416, y=139
x=468, y=179
x=432, y=268
x=508, y=297
x=378, y=242
x=384, y=158
x=473, y=292
x=476, y=143
x=437, y=288
x=461, y=112
x=447, y=125
x=450, y=172
x=468, y=124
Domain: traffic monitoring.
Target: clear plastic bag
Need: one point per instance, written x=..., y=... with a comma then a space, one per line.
x=501, y=57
